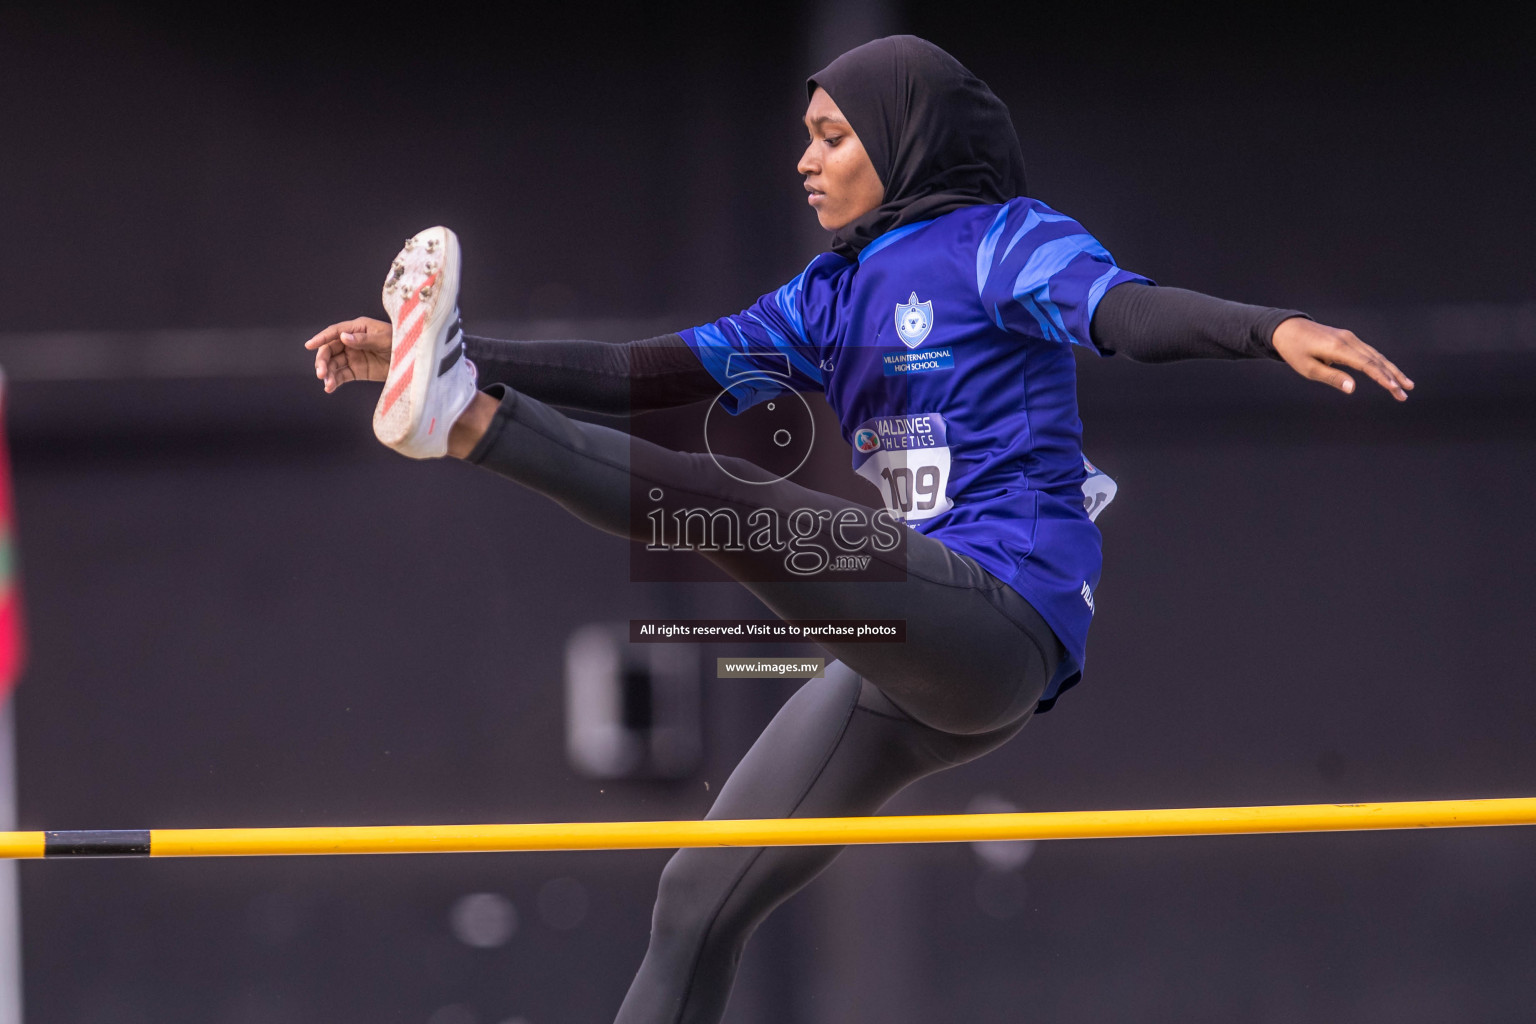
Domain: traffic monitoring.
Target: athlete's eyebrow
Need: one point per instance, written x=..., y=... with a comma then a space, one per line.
x=825, y=119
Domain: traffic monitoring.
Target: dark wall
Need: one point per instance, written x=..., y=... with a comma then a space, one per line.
x=1353, y=157
x=633, y=161
x=250, y=167
x=244, y=613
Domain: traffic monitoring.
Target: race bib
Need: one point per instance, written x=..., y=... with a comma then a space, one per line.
x=907, y=458
x=1098, y=490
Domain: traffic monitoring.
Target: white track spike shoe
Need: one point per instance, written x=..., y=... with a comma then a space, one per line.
x=430, y=383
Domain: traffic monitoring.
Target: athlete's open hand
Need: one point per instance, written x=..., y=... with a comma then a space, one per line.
x=1316, y=351
x=352, y=350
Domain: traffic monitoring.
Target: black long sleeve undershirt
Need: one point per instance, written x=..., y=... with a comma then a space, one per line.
x=1144, y=323
x=1150, y=324
x=595, y=376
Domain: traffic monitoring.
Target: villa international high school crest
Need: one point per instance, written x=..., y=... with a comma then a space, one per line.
x=913, y=321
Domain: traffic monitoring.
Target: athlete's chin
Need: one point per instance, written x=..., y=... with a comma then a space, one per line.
x=832, y=222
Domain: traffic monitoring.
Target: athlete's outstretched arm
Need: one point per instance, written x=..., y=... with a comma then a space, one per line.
x=1154, y=325
x=593, y=376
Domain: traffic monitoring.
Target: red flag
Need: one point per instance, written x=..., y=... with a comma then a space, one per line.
x=11, y=647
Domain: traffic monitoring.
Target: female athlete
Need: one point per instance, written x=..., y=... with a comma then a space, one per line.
x=938, y=327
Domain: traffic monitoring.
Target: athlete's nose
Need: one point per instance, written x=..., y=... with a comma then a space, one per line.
x=807, y=165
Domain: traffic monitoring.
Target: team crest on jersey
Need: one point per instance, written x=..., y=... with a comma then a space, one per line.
x=866, y=440
x=913, y=321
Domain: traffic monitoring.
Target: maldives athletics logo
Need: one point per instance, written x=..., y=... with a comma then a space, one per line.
x=913, y=321
x=866, y=440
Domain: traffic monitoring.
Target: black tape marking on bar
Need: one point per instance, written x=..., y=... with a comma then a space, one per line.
x=127, y=842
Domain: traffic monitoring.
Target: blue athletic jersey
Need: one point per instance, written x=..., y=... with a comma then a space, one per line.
x=944, y=352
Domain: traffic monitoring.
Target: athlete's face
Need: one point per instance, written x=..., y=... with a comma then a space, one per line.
x=842, y=183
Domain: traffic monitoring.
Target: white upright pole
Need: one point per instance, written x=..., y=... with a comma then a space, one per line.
x=10, y=894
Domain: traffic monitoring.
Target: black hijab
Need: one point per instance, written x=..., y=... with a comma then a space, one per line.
x=938, y=137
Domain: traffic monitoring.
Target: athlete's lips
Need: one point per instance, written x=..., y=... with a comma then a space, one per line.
x=815, y=194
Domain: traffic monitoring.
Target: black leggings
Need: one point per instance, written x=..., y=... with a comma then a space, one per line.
x=975, y=660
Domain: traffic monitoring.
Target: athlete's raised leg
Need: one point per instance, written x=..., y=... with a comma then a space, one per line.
x=974, y=661
x=961, y=622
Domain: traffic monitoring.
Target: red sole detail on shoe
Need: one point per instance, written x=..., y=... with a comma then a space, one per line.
x=399, y=388
x=409, y=341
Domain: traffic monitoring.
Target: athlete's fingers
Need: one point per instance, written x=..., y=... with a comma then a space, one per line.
x=325, y=336
x=333, y=333
x=342, y=371
x=333, y=366
x=322, y=337
x=1326, y=354
x=369, y=334
x=356, y=349
x=1398, y=375
x=1353, y=352
x=323, y=361
x=342, y=374
x=1315, y=369
x=327, y=354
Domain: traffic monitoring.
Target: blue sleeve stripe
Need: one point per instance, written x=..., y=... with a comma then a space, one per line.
x=890, y=237
x=1049, y=260
x=787, y=299
x=1031, y=221
x=1099, y=287
x=776, y=338
x=744, y=394
x=1054, y=312
x=782, y=346
x=733, y=362
x=807, y=369
x=740, y=389
x=770, y=341
x=1034, y=220
x=987, y=247
x=1047, y=329
x=713, y=350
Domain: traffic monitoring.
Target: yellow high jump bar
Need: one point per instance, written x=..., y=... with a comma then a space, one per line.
x=644, y=835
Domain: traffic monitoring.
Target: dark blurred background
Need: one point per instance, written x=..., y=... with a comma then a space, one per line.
x=242, y=611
